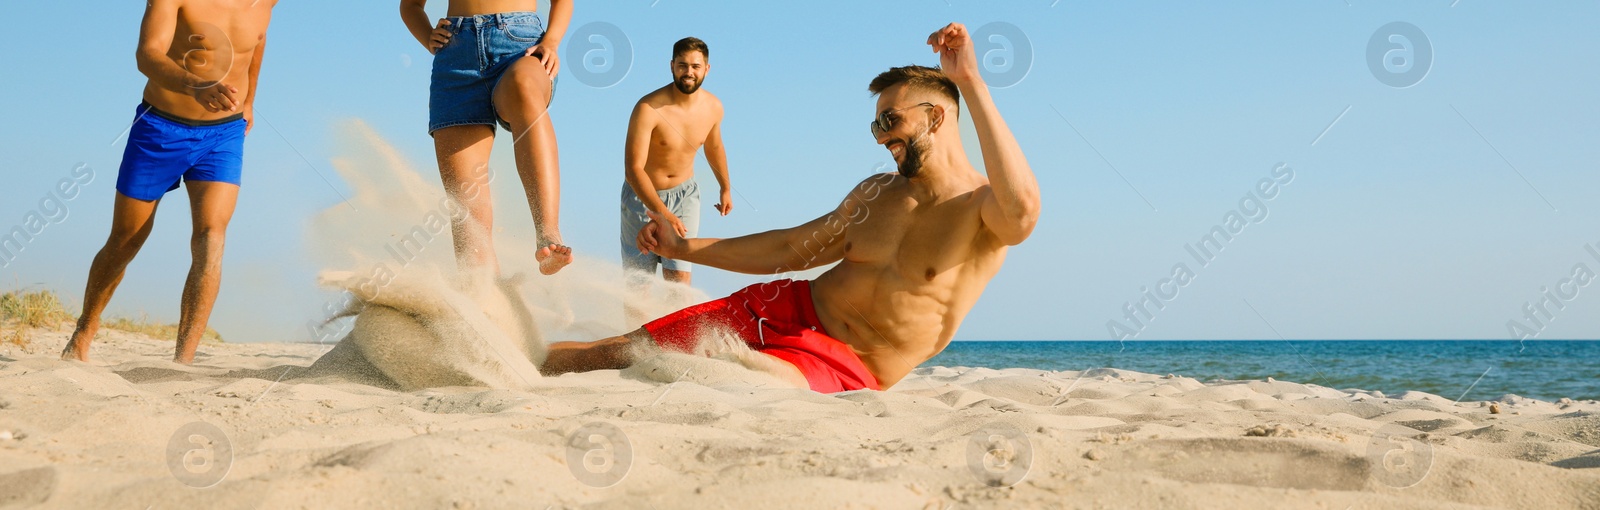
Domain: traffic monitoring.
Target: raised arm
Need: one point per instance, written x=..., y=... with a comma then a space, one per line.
x=1012, y=210
x=717, y=156
x=818, y=242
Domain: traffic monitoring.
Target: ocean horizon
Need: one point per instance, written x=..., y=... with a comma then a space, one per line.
x=1465, y=370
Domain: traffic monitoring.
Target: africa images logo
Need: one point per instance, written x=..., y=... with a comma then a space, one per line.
x=1399, y=54
x=1005, y=54
x=602, y=52
x=599, y=454
x=999, y=454
x=199, y=455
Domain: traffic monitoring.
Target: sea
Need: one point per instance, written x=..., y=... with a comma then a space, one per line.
x=1465, y=370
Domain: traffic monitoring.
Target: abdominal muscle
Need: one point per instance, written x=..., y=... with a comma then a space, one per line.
x=664, y=181
x=905, y=328
x=182, y=102
x=668, y=167
x=476, y=7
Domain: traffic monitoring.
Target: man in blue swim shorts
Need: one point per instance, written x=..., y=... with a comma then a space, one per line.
x=667, y=128
x=480, y=79
x=202, y=59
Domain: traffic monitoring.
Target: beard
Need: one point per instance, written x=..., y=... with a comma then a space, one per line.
x=916, y=151
x=685, y=87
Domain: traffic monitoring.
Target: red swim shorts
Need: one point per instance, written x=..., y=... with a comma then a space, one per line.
x=776, y=318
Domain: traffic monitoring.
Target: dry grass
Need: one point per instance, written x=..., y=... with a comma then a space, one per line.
x=17, y=337
x=37, y=309
x=22, y=310
x=143, y=325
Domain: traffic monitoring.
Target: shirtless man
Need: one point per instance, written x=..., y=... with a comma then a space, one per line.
x=202, y=58
x=480, y=79
x=915, y=250
x=667, y=128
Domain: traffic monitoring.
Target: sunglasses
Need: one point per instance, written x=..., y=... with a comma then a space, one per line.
x=886, y=119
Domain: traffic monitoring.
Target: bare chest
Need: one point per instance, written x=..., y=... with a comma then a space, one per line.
x=922, y=240
x=213, y=40
x=679, y=130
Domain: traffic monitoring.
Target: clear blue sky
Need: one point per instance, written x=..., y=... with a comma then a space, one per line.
x=1432, y=211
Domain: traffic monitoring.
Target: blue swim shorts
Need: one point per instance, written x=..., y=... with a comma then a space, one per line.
x=466, y=70
x=683, y=200
x=164, y=149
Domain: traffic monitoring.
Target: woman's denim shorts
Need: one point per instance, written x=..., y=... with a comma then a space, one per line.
x=466, y=70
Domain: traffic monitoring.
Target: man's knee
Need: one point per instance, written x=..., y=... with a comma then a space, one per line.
x=125, y=243
x=126, y=237
x=637, y=338
x=210, y=234
x=208, y=240
x=117, y=253
x=676, y=276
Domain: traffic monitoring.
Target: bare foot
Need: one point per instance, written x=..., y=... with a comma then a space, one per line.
x=79, y=350
x=552, y=257
x=72, y=353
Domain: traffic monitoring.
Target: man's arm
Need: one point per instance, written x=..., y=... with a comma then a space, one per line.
x=155, y=39
x=799, y=248
x=717, y=156
x=255, y=74
x=634, y=155
x=816, y=243
x=1012, y=209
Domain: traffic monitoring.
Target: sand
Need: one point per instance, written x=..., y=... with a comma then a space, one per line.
x=433, y=399
x=76, y=435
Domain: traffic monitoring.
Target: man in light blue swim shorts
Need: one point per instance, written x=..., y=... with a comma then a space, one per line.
x=201, y=59
x=667, y=128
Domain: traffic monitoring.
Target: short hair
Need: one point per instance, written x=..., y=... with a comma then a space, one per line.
x=689, y=44
x=921, y=78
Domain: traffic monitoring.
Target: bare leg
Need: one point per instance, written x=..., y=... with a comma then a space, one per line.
x=609, y=354
x=463, y=154
x=212, y=205
x=675, y=276
x=783, y=370
x=131, y=221
x=637, y=280
x=619, y=352
x=677, y=295
x=522, y=98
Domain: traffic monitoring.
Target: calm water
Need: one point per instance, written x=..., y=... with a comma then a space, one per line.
x=1542, y=369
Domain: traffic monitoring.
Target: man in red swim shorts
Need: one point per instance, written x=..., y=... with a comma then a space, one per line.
x=776, y=319
x=914, y=249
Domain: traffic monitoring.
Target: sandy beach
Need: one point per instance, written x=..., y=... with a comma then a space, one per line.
x=307, y=425
x=283, y=435
x=555, y=255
